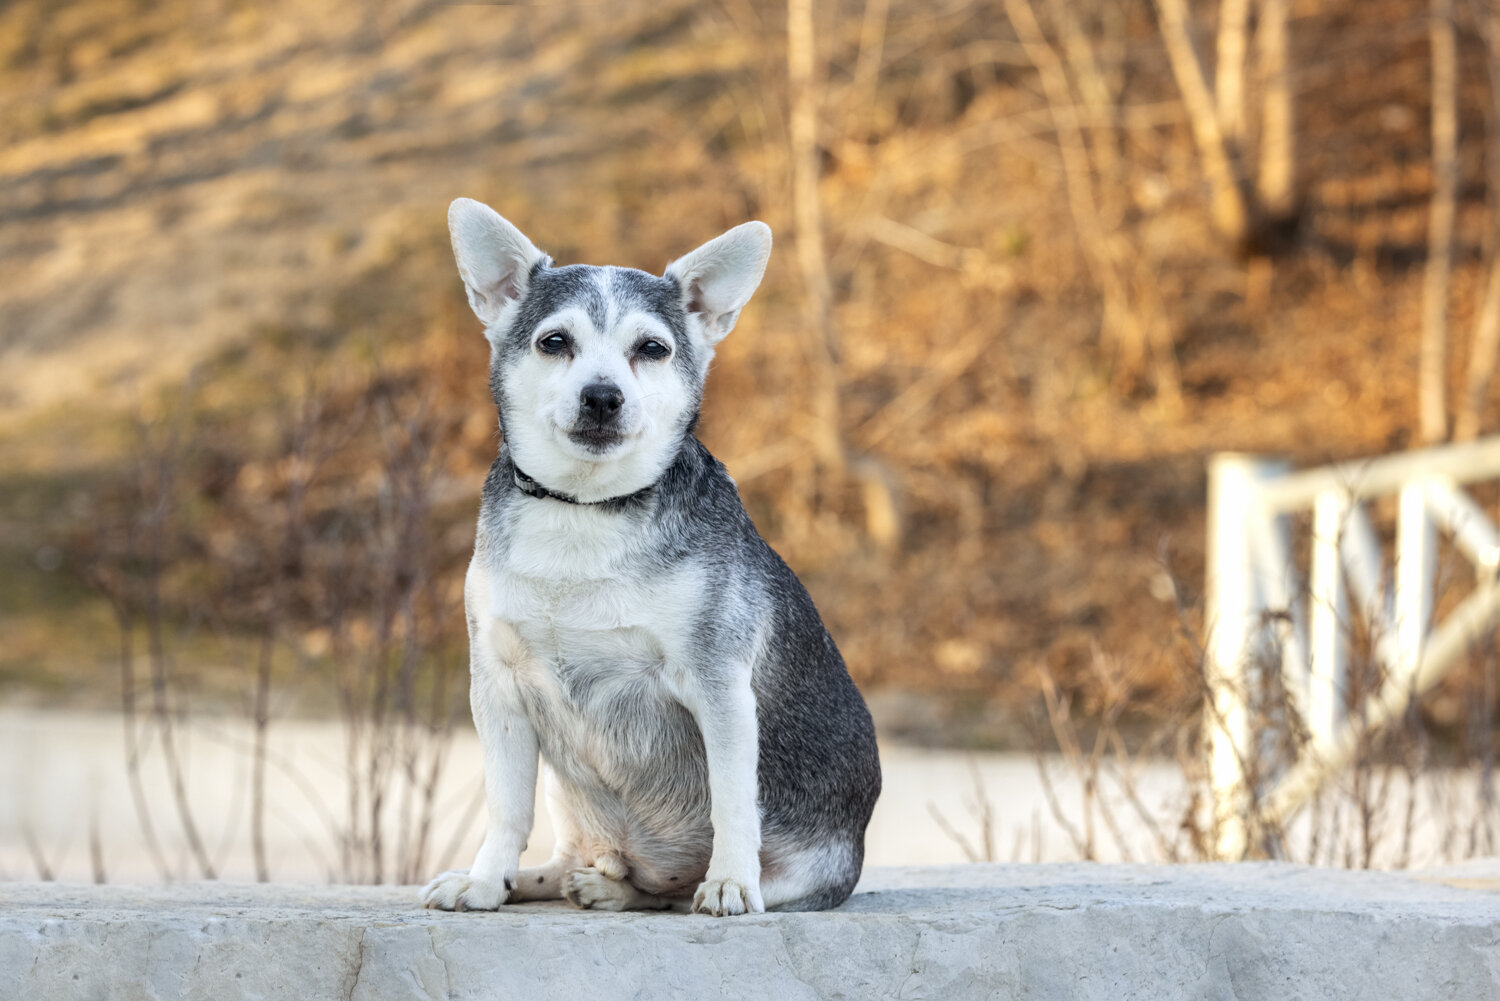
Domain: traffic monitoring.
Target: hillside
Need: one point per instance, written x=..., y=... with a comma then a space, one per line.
x=230, y=194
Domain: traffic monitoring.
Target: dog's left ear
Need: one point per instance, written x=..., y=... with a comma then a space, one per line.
x=719, y=277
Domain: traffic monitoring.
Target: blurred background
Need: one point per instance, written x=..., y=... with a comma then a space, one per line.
x=1036, y=261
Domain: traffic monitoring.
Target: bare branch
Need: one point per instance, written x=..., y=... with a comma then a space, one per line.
x=1432, y=372
x=1276, y=174
x=1230, y=212
x=1229, y=68
x=805, y=96
x=1485, y=348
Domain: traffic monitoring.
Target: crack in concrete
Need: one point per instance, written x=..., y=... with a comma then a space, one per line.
x=1208, y=961
x=911, y=964
x=447, y=972
x=786, y=958
x=359, y=967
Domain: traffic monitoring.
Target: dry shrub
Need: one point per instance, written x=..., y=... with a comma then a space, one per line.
x=299, y=559
x=1418, y=791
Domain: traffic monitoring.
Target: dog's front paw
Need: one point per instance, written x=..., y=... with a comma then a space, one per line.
x=458, y=891
x=722, y=897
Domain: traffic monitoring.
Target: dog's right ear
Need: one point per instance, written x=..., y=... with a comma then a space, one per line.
x=495, y=259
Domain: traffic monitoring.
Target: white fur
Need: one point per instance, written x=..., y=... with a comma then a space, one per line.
x=732, y=885
x=544, y=393
x=719, y=277
x=494, y=259
x=548, y=604
x=553, y=599
x=596, y=890
x=497, y=656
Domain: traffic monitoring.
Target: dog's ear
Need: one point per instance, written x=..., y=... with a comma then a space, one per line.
x=494, y=258
x=719, y=277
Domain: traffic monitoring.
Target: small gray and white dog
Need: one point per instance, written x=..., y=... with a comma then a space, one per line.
x=702, y=742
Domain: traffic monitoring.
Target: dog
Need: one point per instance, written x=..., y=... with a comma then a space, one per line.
x=702, y=744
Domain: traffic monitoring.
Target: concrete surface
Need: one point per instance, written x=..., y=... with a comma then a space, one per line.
x=1061, y=931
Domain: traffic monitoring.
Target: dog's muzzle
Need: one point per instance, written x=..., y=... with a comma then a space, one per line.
x=597, y=427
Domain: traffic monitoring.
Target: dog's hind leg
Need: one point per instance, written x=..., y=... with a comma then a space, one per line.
x=813, y=879
x=593, y=890
x=544, y=882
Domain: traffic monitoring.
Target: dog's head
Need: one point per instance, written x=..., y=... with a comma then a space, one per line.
x=598, y=371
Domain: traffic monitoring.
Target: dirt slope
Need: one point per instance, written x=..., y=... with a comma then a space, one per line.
x=179, y=180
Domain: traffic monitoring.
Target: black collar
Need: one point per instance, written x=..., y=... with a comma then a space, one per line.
x=532, y=488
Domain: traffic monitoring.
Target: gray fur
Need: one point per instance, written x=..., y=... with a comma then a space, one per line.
x=819, y=773
x=628, y=663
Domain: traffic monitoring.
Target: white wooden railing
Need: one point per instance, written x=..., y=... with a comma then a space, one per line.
x=1261, y=612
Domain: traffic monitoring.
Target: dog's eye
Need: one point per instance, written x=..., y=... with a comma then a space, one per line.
x=655, y=350
x=554, y=344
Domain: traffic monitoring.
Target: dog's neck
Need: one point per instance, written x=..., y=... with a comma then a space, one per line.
x=531, y=488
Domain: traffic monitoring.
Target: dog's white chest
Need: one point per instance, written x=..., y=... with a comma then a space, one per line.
x=593, y=664
x=578, y=571
x=589, y=620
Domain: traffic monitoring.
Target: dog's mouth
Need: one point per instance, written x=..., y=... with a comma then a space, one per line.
x=596, y=439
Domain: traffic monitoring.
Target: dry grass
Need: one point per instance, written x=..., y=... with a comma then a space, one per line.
x=1024, y=407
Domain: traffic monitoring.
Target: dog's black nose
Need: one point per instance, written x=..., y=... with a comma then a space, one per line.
x=601, y=401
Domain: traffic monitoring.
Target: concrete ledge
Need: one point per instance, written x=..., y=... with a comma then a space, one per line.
x=1072, y=931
